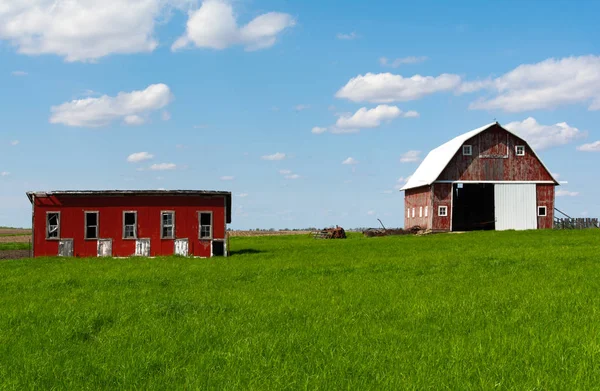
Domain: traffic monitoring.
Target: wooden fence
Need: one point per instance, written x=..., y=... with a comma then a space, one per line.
x=575, y=223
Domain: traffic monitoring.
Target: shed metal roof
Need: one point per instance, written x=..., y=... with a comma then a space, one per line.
x=121, y=193
x=436, y=161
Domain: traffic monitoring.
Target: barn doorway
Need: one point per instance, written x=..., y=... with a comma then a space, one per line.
x=473, y=207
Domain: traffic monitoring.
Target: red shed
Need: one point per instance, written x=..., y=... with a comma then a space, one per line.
x=488, y=178
x=123, y=223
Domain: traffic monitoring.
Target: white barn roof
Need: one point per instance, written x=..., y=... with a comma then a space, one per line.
x=436, y=161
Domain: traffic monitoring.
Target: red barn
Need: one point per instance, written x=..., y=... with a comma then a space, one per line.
x=126, y=223
x=488, y=178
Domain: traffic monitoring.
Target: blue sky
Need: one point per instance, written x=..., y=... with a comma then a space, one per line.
x=268, y=99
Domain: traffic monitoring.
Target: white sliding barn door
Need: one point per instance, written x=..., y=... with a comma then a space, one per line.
x=516, y=206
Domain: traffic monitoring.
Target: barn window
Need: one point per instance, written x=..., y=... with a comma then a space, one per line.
x=467, y=150
x=205, y=219
x=408, y=213
x=541, y=211
x=520, y=150
x=443, y=211
x=426, y=211
x=91, y=225
x=420, y=211
x=52, y=225
x=167, y=225
x=129, y=225
x=413, y=213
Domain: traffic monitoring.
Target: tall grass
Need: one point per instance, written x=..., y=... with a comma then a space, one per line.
x=502, y=310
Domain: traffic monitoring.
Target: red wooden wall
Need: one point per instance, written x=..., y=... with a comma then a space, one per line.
x=442, y=196
x=111, y=210
x=492, y=166
x=545, y=197
x=416, y=199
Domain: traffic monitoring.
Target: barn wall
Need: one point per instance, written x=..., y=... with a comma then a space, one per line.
x=111, y=210
x=545, y=197
x=442, y=196
x=493, y=161
x=416, y=199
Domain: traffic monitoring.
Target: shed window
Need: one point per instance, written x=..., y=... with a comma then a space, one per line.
x=467, y=150
x=443, y=211
x=129, y=225
x=426, y=211
x=91, y=225
x=420, y=211
x=205, y=219
x=408, y=213
x=413, y=213
x=520, y=150
x=541, y=211
x=167, y=221
x=52, y=225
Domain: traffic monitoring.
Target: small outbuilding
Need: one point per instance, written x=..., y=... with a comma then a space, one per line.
x=486, y=179
x=123, y=223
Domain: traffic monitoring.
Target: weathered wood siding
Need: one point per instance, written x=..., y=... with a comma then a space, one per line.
x=494, y=159
x=545, y=197
x=442, y=196
x=418, y=199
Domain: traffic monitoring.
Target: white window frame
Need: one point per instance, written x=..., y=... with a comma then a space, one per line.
x=468, y=148
x=48, y=226
x=443, y=208
x=135, y=225
x=545, y=211
x=408, y=213
x=420, y=211
x=163, y=226
x=426, y=211
x=413, y=213
x=200, y=212
x=85, y=224
x=517, y=150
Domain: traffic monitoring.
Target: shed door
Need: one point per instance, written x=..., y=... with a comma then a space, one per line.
x=105, y=247
x=142, y=247
x=181, y=247
x=515, y=206
x=65, y=248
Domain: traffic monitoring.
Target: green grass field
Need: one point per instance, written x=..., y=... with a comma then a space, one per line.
x=489, y=310
x=14, y=246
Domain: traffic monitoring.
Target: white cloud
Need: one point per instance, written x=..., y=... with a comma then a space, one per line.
x=591, y=147
x=350, y=160
x=285, y=172
x=410, y=157
x=401, y=182
x=227, y=178
x=82, y=30
x=400, y=61
x=301, y=107
x=165, y=115
x=139, y=157
x=544, y=85
x=292, y=176
x=350, y=36
x=214, y=26
x=566, y=193
x=163, y=166
x=95, y=112
x=318, y=130
x=243, y=195
x=14, y=142
x=387, y=87
x=134, y=120
x=275, y=156
x=371, y=213
x=544, y=136
x=17, y=73
x=411, y=114
x=365, y=118
x=4, y=173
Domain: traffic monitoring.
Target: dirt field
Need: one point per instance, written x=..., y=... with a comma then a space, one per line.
x=15, y=239
x=13, y=254
x=14, y=231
